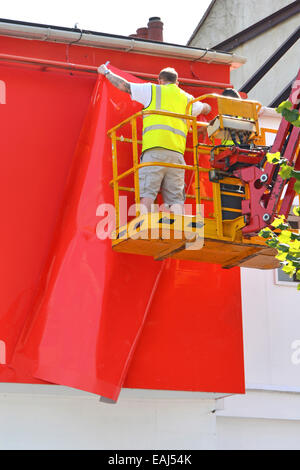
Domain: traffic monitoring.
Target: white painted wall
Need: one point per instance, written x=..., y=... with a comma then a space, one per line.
x=268, y=416
x=257, y=434
x=271, y=316
x=231, y=16
x=257, y=51
x=53, y=417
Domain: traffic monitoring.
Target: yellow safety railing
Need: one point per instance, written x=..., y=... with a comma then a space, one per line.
x=228, y=106
x=132, y=120
x=247, y=109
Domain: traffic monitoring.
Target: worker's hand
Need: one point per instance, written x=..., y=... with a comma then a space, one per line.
x=102, y=69
x=206, y=109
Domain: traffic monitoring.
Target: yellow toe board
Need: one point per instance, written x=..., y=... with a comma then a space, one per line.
x=230, y=255
x=163, y=236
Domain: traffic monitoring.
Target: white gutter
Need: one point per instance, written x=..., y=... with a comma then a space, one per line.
x=43, y=33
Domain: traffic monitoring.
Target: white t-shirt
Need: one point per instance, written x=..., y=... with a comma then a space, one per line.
x=142, y=93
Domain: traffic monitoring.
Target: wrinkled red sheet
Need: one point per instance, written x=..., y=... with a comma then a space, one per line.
x=97, y=320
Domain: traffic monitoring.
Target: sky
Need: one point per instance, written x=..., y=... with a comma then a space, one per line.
x=111, y=16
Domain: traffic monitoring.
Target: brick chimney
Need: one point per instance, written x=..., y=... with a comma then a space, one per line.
x=155, y=29
x=153, y=32
x=142, y=33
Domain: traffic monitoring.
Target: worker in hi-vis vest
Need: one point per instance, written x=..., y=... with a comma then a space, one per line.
x=164, y=137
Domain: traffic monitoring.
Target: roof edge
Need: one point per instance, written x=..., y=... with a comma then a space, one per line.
x=79, y=37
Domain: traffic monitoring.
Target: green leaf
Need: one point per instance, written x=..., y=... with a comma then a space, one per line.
x=283, y=227
x=272, y=243
x=284, y=105
x=283, y=247
x=297, y=187
x=285, y=171
x=298, y=275
x=297, y=122
x=290, y=115
x=296, y=211
x=265, y=233
x=295, y=236
x=288, y=269
x=278, y=221
x=285, y=236
x=274, y=158
x=294, y=258
x=296, y=174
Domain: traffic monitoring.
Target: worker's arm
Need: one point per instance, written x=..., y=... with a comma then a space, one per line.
x=114, y=79
x=200, y=108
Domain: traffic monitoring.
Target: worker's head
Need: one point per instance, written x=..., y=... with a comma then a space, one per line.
x=168, y=75
x=231, y=93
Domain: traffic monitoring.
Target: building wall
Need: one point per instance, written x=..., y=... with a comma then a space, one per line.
x=232, y=16
x=271, y=330
x=257, y=434
x=53, y=417
x=268, y=416
x=257, y=51
x=229, y=17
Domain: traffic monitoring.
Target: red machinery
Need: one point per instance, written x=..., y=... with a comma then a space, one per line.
x=265, y=185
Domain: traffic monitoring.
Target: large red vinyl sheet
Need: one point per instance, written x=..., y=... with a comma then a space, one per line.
x=40, y=123
x=75, y=312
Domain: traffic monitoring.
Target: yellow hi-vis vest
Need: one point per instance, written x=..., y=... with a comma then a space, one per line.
x=166, y=131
